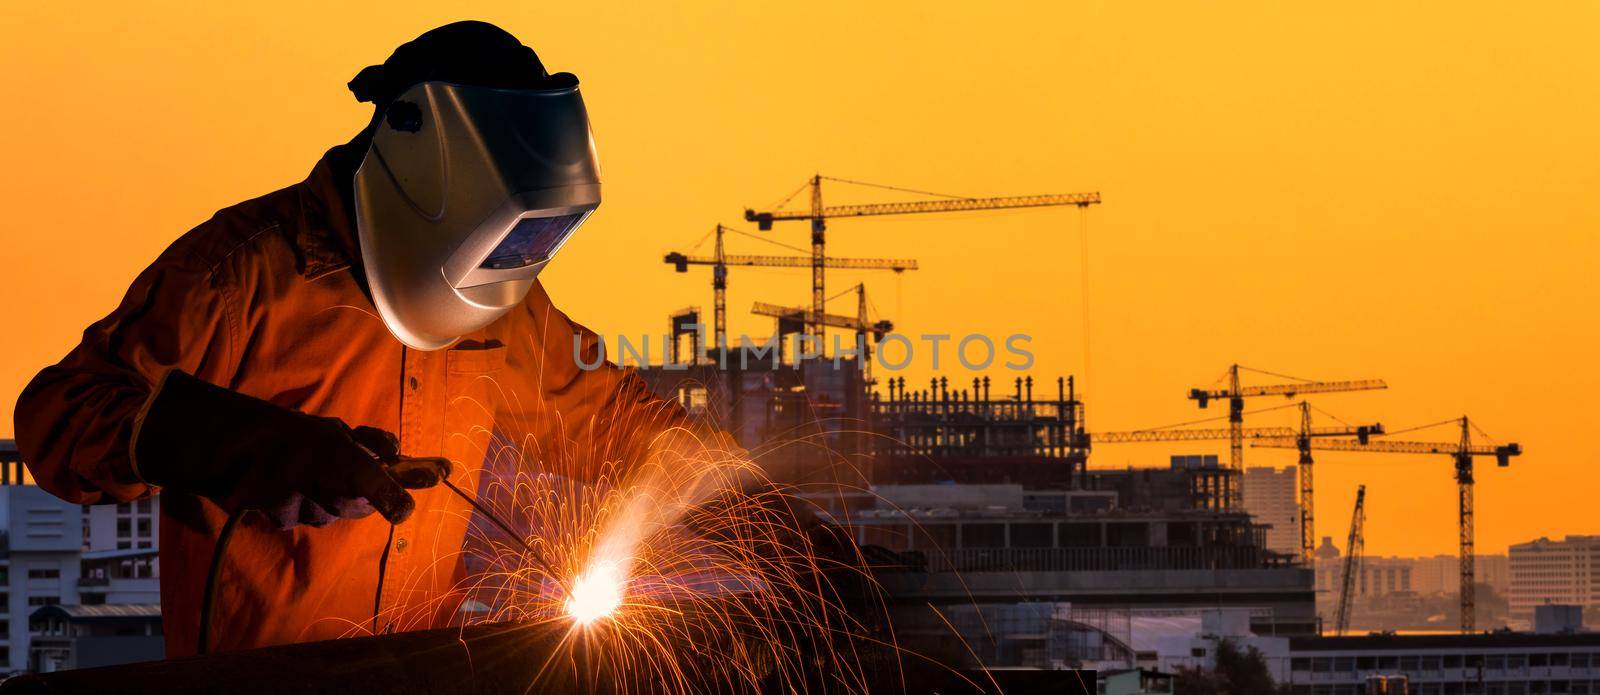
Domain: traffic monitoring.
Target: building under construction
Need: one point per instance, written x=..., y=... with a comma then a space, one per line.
x=981, y=489
x=984, y=493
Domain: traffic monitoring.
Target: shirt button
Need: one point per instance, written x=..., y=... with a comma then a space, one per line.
x=413, y=383
x=401, y=544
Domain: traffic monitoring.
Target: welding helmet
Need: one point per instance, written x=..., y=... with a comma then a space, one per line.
x=464, y=195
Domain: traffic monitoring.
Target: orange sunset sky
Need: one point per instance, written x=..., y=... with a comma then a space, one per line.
x=1329, y=190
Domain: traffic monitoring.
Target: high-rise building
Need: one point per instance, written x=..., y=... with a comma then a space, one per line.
x=1441, y=574
x=59, y=554
x=1327, y=550
x=1555, y=572
x=1436, y=574
x=1378, y=576
x=43, y=539
x=1494, y=570
x=1271, y=495
x=120, y=565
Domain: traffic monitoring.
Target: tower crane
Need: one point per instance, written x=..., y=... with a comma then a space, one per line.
x=803, y=315
x=860, y=323
x=1302, y=437
x=1218, y=433
x=818, y=214
x=1352, y=563
x=1235, y=395
x=1462, y=452
x=720, y=260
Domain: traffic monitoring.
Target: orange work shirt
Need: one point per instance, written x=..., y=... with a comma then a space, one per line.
x=263, y=299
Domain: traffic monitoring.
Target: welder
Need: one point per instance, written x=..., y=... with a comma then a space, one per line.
x=274, y=358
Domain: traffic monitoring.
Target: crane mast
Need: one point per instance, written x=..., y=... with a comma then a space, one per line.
x=1352, y=563
x=1304, y=470
x=1465, y=510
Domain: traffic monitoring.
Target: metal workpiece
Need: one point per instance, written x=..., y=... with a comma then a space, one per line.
x=486, y=659
x=548, y=657
x=716, y=645
x=503, y=658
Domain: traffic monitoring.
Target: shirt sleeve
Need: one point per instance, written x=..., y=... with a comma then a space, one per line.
x=74, y=421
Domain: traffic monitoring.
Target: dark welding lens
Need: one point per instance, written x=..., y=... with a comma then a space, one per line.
x=532, y=240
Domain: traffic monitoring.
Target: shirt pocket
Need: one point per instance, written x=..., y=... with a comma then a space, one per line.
x=475, y=359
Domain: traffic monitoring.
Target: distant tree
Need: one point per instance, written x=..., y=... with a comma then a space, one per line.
x=1197, y=681
x=1492, y=607
x=1243, y=671
x=1237, y=672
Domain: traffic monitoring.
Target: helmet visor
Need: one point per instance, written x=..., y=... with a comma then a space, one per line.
x=533, y=240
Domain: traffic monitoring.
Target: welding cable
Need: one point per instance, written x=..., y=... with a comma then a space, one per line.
x=209, y=598
x=533, y=555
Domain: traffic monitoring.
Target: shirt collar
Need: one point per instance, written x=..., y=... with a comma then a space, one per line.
x=327, y=235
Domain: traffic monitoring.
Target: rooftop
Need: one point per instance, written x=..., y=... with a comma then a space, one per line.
x=1482, y=640
x=103, y=612
x=1545, y=542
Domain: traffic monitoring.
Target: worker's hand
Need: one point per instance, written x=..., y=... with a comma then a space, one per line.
x=245, y=453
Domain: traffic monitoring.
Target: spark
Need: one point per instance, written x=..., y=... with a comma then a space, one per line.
x=682, y=572
x=595, y=595
x=675, y=567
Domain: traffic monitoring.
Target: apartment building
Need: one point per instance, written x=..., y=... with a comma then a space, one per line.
x=43, y=541
x=1547, y=571
x=1441, y=574
x=1271, y=495
x=1378, y=576
x=1508, y=663
x=1426, y=576
x=57, y=554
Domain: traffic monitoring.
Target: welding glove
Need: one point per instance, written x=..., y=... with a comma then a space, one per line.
x=244, y=453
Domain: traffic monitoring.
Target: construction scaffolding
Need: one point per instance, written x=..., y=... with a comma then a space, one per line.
x=941, y=423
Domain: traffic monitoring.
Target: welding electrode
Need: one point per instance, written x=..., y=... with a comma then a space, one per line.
x=431, y=470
